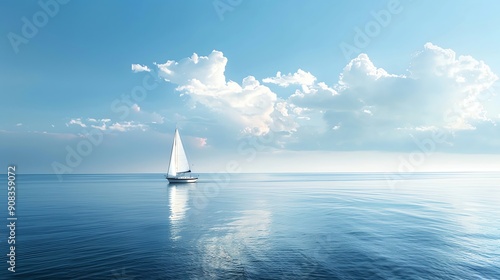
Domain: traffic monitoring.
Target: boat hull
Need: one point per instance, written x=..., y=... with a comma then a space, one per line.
x=182, y=180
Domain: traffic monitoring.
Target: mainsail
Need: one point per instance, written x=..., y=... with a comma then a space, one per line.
x=178, y=160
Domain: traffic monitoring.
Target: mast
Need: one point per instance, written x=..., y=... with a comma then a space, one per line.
x=182, y=163
x=172, y=166
x=178, y=159
x=176, y=135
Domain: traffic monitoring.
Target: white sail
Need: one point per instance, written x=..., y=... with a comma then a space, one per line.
x=178, y=159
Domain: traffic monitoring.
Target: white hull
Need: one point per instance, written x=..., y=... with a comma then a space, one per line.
x=182, y=180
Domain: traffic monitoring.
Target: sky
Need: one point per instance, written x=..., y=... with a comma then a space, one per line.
x=281, y=86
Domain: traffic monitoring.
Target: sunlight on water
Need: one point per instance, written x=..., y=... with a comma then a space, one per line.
x=297, y=226
x=178, y=198
x=226, y=248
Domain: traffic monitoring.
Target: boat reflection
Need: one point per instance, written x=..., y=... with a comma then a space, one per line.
x=178, y=202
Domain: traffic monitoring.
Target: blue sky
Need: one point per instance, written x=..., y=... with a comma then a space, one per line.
x=253, y=86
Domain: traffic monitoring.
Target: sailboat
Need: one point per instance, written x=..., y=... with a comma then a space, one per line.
x=178, y=167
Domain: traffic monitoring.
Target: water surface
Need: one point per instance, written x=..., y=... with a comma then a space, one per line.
x=258, y=226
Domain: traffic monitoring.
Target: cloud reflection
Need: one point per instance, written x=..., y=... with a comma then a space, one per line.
x=228, y=246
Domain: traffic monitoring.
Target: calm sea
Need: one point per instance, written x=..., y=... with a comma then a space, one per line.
x=256, y=226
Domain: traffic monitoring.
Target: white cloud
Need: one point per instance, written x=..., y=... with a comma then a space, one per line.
x=19, y=124
x=136, y=108
x=77, y=121
x=104, y=124
x=365, y=107
x=298, y=78
x=204, y=70
x=127, y=125
x=438, y=82
x=361, y=70
x=140, y=68
x=100, y=124
x=100, y=127
x=370, y=105
x=249, y=106
x=201, y=142
x=463, y=83
x=317, y=96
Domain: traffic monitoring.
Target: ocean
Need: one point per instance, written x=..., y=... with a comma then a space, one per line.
x=255, y=226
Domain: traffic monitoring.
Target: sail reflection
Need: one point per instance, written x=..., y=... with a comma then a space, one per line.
x=178, y=201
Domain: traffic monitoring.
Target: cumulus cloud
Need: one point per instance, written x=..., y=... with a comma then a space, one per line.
x=300, y=77
x=316, y=96
x=462, y=83
x=127, y=125
x=370, y=107
x=140, y=68
x=361, y=70
x=205, y=70
x=437, y=81
x=77, y=121
x=367, y=107
x=249, y=105
x=440, y=90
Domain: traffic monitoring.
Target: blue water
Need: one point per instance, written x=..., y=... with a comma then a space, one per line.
x=257, y=226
